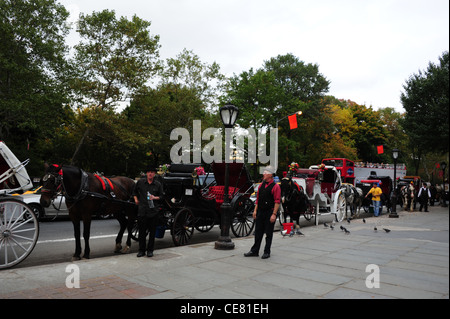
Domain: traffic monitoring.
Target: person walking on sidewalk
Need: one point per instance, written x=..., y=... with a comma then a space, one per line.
x=424, y=195
x=376, y=198
x=148, y=194
x=265, y=214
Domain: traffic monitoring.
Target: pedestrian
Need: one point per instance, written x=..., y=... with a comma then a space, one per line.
x=411, y=197
x=376, y=193
x=148, y=194
x=267, y=203
x=424, y=195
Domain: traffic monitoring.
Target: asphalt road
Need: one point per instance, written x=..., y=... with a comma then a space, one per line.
x=56, y=242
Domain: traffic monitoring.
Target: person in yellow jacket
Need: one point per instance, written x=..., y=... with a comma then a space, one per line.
x=376, y=198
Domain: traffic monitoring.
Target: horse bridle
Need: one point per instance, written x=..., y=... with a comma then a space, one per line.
x=57, y=186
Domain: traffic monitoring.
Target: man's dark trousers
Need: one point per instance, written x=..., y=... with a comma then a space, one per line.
x=263, y=226
x=146, y=223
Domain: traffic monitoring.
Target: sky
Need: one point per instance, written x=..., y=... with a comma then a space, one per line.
x=366, y=49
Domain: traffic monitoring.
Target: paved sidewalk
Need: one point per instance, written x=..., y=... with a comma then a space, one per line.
x=412, y=259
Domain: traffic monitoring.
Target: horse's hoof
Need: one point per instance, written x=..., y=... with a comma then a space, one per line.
x=117, y=249
x=126, y=250
x=86, y=257
x=75, y=258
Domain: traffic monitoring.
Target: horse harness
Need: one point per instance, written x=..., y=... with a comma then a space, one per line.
x=83, y=191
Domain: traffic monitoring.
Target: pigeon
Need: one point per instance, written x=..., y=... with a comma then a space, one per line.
x=348, y=220
x=375, y=228
x=347, y=232
x=342, y=227
x=325, y=225
x=283, y=233
x=332, y=227
x=364, y=221
x=386, y=230
x=298, y=232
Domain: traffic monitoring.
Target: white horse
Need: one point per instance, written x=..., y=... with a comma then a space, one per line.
x=354, y=198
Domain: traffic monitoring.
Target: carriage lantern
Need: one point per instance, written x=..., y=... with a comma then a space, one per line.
x=228, y=114
x=393, y=213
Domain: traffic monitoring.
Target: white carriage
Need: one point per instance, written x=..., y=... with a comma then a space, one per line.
x=19, y=227
x=322, y=186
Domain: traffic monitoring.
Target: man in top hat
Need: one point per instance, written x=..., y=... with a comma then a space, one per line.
x=148, y=194
x=267, y=203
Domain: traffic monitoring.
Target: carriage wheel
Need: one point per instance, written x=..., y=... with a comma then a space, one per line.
x=19, y=231
x=183, y=227
x=135, y=231
x=243, y=223
x=340, y=207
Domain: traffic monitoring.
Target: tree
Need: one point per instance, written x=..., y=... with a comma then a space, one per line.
x=115, y=58
x=186, y=70
x=282, y=86
x=33, y=75
x=426, y=101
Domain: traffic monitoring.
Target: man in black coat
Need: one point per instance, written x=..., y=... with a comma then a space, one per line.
x=265, y=213
x=148, y=194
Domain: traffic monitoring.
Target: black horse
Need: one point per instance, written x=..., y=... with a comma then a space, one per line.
x=87, y=194
x=293, y=199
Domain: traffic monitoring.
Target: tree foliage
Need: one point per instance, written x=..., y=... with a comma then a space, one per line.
x=59, y=105
x=33, y=73
x=426, y=101
x=115, y=58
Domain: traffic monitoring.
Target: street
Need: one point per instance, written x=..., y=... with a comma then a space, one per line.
x=56, y=242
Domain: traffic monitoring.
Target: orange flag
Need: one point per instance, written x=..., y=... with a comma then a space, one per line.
x=293, y=121
x=380, y=149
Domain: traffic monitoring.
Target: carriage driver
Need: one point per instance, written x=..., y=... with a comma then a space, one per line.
x=148, y=194
x=265, y=213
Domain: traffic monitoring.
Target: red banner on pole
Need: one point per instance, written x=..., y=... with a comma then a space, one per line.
x=293, y=121
x=380, y=149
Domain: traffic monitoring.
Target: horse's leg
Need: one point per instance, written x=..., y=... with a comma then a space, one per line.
x=130, y=224
x=77, y=233
x=123, y=224
x=86, y=234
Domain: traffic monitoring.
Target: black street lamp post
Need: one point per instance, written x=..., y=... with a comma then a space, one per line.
x=444, y=202
x=393, y=213
x=228, y=114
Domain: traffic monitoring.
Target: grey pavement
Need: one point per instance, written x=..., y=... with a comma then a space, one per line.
x=411, y=261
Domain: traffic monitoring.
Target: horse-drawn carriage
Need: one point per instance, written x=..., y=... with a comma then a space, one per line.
x=190, y=203
x=19, y=227
x=321, y=187
x=385, y=183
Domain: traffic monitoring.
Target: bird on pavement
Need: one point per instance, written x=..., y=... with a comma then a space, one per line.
x=386, y=230
x=364, y=221
x=375, y=228
x=325, y=225
x=332, y=227
x=348, y=220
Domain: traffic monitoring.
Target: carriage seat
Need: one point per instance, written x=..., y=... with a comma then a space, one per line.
x=217, y=192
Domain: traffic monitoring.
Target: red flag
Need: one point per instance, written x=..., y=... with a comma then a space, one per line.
x=380, y=149
x=293, y=121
